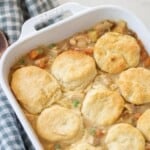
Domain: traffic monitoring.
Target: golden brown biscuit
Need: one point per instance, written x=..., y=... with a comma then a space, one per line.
x=59, y=124
x=143, y=124
x=124, y=136
x=115, y=52
x=102, y=107
x=74, y=70
x=34, y=88
x=134, y=85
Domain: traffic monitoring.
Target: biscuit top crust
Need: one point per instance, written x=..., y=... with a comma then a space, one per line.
x=102, y=107
x=34, y=88
x=143, y=124
x=115, y=52
x=74, y=69
x=134, y=85
x=124, y=136
x=57, y=123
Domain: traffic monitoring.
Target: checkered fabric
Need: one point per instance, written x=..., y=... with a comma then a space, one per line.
x=14, y=12
x=12, y=15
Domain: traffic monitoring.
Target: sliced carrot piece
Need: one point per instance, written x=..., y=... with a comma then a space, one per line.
x=88, y=51
x=33, y=54
x=99, y=133
x=147, y=62
x=36, y=53
x=42, y=62
x=137, y=115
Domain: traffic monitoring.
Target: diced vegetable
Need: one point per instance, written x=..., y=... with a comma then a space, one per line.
x=21, y=61
x=79, y=40
x=92, y=35
x=136, y=116
x=121, y=27
x=88, y=51
x=33, y=54
x=72, y=41
x=92, y=131
x=40, y=51
x=52, y=45
x=96, y=132
x=93, y=141
x=82, y=43
x=99, y=133
x=36, y=53
x=76, y=103
x=42, y=62
x=57, y=147
x=147, y=62
x=103, y=27
x=95, y=136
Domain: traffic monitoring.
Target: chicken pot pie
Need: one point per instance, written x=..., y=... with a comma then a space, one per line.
x=35, y=88
x=87, y=92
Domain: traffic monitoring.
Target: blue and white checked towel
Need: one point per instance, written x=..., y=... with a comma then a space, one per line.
x=12, y=15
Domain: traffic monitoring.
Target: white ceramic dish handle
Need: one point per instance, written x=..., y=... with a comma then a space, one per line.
x=29, y=27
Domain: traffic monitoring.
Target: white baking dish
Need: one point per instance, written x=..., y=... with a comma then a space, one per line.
x=82, y=18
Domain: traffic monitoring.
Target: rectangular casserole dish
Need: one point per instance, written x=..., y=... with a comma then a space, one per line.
x=79, y=19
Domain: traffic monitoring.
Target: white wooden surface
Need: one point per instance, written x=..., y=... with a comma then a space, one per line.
x=140, y=7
